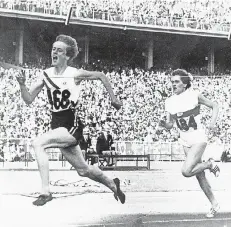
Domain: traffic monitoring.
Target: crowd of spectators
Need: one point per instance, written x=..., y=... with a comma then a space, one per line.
x=192, y=14
x=143, y=94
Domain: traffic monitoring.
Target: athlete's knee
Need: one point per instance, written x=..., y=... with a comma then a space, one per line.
x=186, y=172
x=36, y=143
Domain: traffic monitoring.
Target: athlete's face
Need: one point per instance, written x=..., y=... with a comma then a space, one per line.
x=177, y=85
x=58, y=54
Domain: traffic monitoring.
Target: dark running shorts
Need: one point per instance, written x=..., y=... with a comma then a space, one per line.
x=70, y=121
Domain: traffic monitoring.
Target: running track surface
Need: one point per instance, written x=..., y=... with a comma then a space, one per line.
x=100, y=209
x=154, y=198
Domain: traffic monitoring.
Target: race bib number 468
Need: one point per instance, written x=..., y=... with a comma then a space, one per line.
x=59, y=99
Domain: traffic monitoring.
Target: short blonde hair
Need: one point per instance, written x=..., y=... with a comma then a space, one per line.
x=72, y=49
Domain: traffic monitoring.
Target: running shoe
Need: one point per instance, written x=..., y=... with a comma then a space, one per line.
x=214, y=168
x=119, y=193
x=42, y=200
x=213, y=211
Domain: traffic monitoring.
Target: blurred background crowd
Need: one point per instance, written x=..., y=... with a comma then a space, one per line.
x=143, y=94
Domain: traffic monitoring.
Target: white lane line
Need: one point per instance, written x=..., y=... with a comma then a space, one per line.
x=189, y=220
x=160, y=221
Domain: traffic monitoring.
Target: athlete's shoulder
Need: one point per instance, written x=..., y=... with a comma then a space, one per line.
x=49, y=70
x=72, y=69
x=81, y=71
x=170, y=98
x=169, y=102
x=194, y=91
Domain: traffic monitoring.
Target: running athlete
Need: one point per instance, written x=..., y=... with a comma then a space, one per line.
x=63, y=88
x=183, y=108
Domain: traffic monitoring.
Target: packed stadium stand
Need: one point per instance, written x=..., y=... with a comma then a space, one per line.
x=202, y=15
x=143, y=92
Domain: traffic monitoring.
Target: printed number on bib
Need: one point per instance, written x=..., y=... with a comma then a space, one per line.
x=184, y=126
x=59, y=99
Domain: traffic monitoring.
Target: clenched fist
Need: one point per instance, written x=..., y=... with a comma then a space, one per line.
x=116, y=104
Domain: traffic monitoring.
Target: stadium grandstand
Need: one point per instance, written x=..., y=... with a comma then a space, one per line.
x=204, y=15
x=138, y=62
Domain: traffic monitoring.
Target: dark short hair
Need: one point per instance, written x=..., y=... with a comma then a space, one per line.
x=184, y=76
x=72, y=49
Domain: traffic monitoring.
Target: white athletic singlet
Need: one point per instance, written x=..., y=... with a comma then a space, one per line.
x=185, y=109
x=62, y=91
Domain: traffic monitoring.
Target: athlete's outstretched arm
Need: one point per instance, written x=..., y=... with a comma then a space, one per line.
x=29, y=95
x=213, y=105
x=168, y=124
x=94, y=75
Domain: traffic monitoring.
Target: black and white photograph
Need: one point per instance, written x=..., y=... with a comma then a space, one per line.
x=115, y=113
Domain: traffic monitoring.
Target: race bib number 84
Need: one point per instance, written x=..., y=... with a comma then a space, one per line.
x=183, y=125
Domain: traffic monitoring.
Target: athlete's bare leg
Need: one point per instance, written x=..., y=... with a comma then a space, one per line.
x=195, y=153
x=206, y=188
x=75, y=157
x=59, y=137
x=193, y=165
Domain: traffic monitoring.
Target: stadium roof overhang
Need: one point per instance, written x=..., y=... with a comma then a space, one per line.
x=111, y=24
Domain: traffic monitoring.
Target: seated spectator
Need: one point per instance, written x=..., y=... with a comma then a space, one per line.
x=109, y=140
x=85, y=143
x=101, y=144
